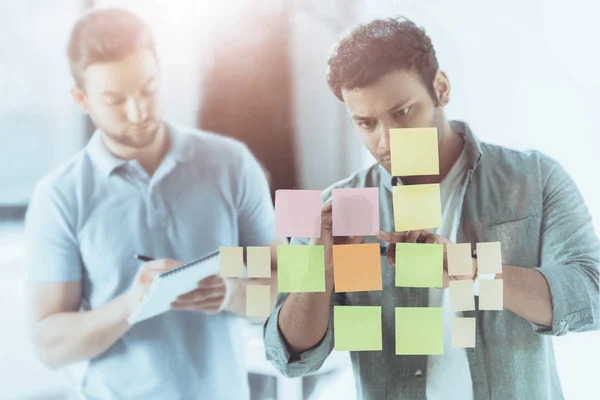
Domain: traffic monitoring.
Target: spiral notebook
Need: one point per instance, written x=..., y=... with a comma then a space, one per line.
x=168, y=285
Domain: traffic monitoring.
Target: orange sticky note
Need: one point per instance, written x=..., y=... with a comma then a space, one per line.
x=356, y=267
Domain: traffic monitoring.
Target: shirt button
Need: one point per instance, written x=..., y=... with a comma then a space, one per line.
x=418, y=373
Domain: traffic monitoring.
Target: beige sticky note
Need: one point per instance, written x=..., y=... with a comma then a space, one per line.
x=414, y=151
x=462, y=296
x=258, y=261
x=417, y=207
x=459, y=258
x=232, y=262
x=258, y=300
x=489, y=258
x=491, y=295
x=463, y=332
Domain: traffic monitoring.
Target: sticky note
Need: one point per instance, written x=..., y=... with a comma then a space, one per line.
x=356, y=267
x=489, y=258
x=258, y=300
x=460, y=261
x=419, y=265
x=258, y=261
x=357, y=328
x=419, y=331
x=462, y=295
x=491, y=294
x=463, y=332
x=414, y=151
x=298, y=213
x=232, y=262
x=355, y=211
x=301, y=268
x=417, y=207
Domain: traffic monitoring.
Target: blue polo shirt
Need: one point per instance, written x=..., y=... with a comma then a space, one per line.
x=88, y=218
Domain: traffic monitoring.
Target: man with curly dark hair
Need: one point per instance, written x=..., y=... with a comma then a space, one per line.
x=387, y=74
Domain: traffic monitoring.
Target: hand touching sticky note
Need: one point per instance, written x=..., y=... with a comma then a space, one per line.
x=357, y=267
x=414, y=151
x=417, y=207
x=357, y=328
x=355, y=211
x=298, y=213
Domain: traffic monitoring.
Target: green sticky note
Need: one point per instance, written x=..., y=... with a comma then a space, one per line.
x=419, y=265
x=419, y=331
x=301, y=268
x=357, y=328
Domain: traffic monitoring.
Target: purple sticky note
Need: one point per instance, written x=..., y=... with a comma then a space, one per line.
x=355, y=212
x=298, y=213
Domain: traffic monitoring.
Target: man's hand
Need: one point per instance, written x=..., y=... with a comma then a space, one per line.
x=421, y=236
x=211, y=296
x=144, y=277
x=328, y=240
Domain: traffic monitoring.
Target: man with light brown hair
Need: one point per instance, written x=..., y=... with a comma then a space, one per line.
x=141, y=186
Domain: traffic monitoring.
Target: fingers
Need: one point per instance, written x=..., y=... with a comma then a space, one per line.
x=211, y=281
x=391, y=254
x=206, y=306
x=392, y=237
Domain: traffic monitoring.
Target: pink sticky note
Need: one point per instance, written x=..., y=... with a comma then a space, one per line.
x=298, y=213
x=355, y=211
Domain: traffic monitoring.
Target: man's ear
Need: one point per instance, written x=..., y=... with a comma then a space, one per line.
x=80, y=99
x=441, y=84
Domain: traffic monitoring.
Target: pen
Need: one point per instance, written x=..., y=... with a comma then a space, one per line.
x=144, y=258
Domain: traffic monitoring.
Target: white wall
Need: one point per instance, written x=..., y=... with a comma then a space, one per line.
x=523, y=74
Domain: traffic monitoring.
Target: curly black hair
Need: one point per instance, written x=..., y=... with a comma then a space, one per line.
x=372, y=50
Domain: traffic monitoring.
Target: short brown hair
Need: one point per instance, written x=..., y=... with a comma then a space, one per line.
x=105, y=35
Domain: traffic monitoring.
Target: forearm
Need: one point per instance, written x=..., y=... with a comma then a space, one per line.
x=526, y=293
x=65, y=338
x=304, y=318
x=237, y=303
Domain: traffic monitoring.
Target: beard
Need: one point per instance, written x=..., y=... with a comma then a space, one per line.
x=137, y=137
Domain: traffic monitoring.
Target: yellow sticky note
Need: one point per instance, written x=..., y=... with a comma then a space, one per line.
x=460, y=261
x=414, y=151
x=419, y=331
x=357, y=328
x=489, y=258
x=462, y=295
x=232, y=262
x=463, y=332
x=491, y=294
x=417, y=207
x=258, y=260
x=258, y=300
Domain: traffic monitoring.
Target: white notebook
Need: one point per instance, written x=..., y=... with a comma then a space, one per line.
x=168, y=285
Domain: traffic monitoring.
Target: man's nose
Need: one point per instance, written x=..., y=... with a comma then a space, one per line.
x=136, y=111
x=384, y=137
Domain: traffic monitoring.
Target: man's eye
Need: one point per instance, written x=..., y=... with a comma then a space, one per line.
x=367, y=124
x=403, y=112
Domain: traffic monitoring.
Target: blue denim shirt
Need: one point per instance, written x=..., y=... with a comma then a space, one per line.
x=529, y=203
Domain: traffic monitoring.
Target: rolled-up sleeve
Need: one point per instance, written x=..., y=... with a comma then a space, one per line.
x=277, y=349
x=570, y=255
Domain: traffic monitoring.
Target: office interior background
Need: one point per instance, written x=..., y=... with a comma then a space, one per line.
x=523, y=74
